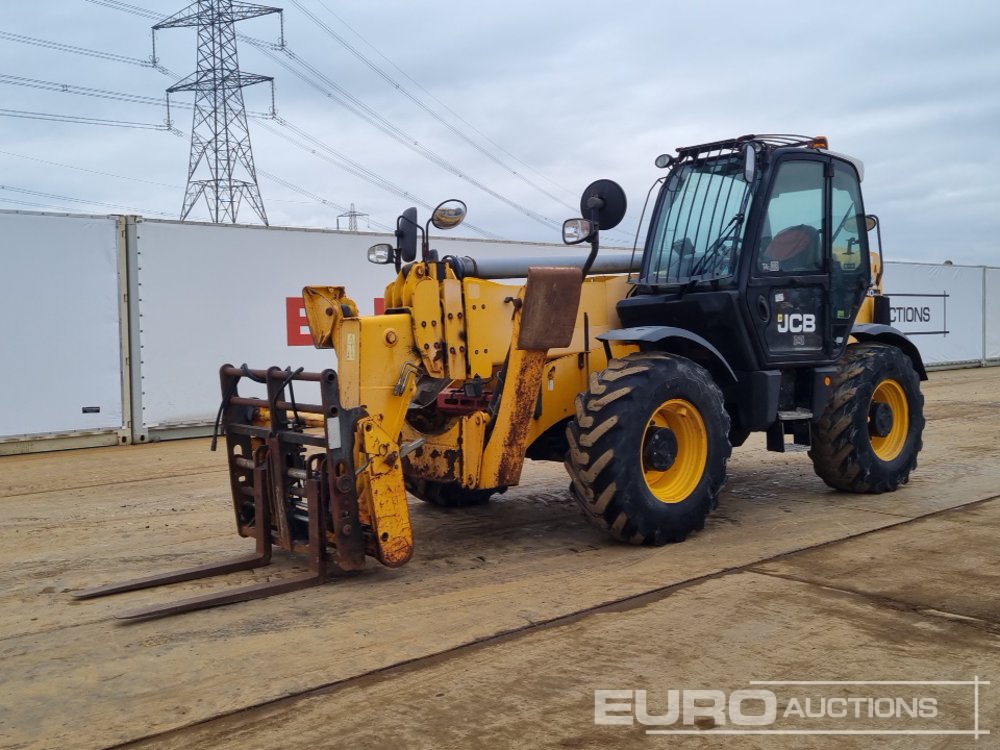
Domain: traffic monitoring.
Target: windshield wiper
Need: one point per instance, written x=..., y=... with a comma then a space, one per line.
x=728, y=231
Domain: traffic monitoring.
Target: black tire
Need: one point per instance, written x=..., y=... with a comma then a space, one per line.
x=447, y=495
x=848, y=452
x=610, y=439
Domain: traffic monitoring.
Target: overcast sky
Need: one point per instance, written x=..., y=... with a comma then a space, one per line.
x=560, y=93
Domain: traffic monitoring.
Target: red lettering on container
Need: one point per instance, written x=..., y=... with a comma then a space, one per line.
x=298, y=323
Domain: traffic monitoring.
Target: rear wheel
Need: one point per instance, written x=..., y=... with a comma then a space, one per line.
x=870, y=433
x=648, y=448
x=447, y=495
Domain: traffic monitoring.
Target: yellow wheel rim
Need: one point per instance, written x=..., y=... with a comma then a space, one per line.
x=891, y=393
x=677, y=482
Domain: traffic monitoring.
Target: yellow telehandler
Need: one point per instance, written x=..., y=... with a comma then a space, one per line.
x=755, y=305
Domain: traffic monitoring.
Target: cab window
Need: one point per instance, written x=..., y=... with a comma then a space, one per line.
x=792, y=238
x=849, y=267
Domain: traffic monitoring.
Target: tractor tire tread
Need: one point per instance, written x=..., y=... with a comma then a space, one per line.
x=610, y=489
x=841, y=450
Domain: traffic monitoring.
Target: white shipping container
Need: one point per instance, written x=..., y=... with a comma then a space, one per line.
x=60, y=335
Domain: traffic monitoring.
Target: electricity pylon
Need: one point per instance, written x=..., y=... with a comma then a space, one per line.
x=352, y=217
x=221, y=166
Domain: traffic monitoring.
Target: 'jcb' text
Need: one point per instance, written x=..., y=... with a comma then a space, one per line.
x=797, y=323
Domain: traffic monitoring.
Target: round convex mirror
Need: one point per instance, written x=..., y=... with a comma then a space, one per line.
x=608, y=198
x=449, y=214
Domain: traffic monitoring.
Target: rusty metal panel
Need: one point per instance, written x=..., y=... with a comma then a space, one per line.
x=599, y=297
x=473, y=443
x=325, y=310
x=489, y=309
x=551, y=301
x=427, y=327
x=503, y=457
x=390, y=513
x=339, y=494
x=454, y=328
x=440, y=456
x=388, y=367
x=452, y=456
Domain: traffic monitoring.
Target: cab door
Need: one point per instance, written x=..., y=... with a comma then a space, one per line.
x=850, y=263
x=789, y=281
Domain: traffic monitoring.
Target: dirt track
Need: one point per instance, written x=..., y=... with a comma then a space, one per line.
x=509, y=616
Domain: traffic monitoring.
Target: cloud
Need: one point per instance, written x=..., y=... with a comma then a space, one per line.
x=561, y=94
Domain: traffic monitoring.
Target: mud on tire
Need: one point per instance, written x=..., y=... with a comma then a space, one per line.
x=609, y=456
x=848, y=453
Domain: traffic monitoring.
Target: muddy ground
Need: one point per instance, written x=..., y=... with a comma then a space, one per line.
x=510, y=616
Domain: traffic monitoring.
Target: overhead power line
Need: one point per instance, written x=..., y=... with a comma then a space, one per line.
x=337, y=93
x=334, y=91
x=325, y=152
x=357, y=107
x=136, y=10
x=67, y=88
x=67, y=199
x=319, y=199
x=53, y=117
x=122, y=96
x=322, y=151
x=339, y=159
x=90, y=171
x=127, y=8
x=33, y=204
x=443, y=105
x=489, y=154
x=113, y=175
x=99, y=54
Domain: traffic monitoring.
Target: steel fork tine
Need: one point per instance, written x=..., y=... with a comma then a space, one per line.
x=231, y=596
x=262, y=525
x=176, y=576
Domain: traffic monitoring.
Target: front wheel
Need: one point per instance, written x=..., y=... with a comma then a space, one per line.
x=648, y=448
x=871, y=431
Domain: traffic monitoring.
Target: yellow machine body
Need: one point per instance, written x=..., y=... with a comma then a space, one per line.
x=457, y=332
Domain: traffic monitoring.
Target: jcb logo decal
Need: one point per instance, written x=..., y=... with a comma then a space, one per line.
x=797, y=323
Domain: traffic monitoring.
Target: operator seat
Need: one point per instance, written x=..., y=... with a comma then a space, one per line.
x=795, y=249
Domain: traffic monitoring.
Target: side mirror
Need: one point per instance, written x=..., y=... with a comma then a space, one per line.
x=603, y=204
x=871, y=222
x=749, y=163
x=406, y=235
x=604, y=200
x=575, y=231
x=449, y=214
x=381, y=253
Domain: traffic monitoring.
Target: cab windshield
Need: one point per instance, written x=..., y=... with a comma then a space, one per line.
x=697, y=231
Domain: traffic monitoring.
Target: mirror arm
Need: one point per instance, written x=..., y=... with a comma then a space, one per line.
x=594, y=204
x=425, y=246
x=397, y=252
x=594, y=244
x=881, y=253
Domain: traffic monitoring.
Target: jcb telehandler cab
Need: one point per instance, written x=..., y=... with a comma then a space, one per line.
x=753, y=307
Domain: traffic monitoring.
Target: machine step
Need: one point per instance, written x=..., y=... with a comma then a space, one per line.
x=795, y=422
x=795, y=415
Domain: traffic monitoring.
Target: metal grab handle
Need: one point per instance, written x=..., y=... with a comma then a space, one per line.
x=763, y=309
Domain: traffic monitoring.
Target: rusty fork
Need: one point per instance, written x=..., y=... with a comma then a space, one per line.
x=261, y=557
x=280, y=476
